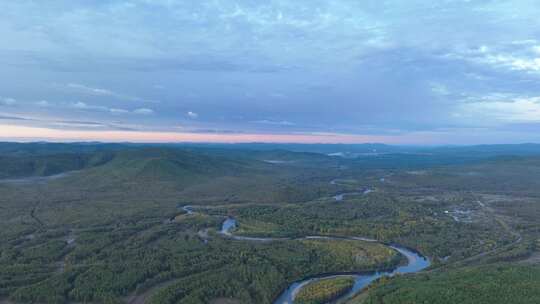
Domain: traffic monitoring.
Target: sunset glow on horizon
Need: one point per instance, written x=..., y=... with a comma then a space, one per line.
x=23, y=133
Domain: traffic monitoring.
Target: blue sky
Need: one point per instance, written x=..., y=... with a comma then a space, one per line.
x=432, y=72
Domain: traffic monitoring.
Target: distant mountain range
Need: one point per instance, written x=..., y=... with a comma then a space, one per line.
x=361, y=149
x=173, y=161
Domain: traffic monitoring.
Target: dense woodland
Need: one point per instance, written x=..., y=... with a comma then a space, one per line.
x=488, y=284
x=111, y=228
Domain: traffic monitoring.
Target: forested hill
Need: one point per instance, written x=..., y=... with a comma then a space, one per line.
x=130, y=162
x=19, y=160
x=13, y=167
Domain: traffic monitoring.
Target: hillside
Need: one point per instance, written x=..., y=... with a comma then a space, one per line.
x=14, y=167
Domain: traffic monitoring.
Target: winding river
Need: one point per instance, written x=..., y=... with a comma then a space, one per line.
x=415, y=263
x=341, y=196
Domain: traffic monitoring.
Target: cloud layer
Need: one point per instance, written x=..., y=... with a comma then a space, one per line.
x=462, y=71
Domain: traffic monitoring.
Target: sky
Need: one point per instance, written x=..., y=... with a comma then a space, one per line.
x=389, y=71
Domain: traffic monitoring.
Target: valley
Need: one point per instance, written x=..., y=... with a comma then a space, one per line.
x=162, y=224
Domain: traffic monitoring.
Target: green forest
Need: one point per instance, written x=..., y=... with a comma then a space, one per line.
x=112, y=227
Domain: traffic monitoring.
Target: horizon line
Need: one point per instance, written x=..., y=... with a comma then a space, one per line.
x=29, y=134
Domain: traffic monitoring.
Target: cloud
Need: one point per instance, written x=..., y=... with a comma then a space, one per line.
x=143, y=111
x=512, y=62
x=117, y=111
x=89, y=90
x=496, y=97
x=48, y=122
x=11, y=117
x=7, y=101
x=513, y=56
x=439, y=89
x=78, y=124
x=84, y=106
x=42, y=103
x=81, y=88
x=330, y=66
x=274, y=122
x=79, y=105
x=501, y=108
x=525, y=64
